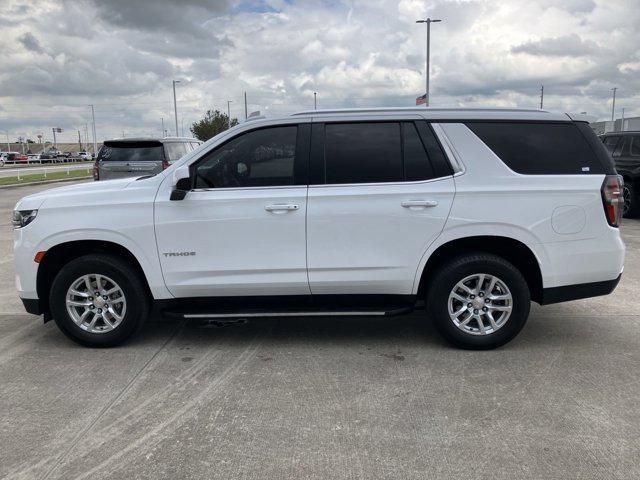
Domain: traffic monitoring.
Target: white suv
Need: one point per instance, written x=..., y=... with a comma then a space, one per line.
x=471, y=213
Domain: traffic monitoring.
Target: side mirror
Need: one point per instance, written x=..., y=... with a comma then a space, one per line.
x=181, y=183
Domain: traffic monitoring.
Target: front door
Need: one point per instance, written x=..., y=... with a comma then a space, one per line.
x=241, y=230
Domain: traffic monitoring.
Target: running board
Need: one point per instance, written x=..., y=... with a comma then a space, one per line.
x=271, y=307
x=287, y=314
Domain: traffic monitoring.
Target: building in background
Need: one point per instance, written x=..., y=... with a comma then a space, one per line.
x=630, y=124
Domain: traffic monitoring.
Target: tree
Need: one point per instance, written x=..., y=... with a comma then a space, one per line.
x=212, y=124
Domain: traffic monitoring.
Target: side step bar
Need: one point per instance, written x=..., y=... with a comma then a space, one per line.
x=284, y=314
x=316, y=313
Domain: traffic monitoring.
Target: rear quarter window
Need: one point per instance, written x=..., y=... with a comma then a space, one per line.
x=545, y=148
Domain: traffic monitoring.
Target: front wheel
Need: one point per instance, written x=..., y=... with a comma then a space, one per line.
x=478, y=301
x=99, y=300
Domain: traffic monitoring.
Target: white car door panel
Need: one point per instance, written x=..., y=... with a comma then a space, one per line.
x=368, y=239
x=234, y=242
x=241, y=230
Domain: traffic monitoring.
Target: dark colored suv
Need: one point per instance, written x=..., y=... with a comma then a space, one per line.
x=136, y=157
x=625, y=150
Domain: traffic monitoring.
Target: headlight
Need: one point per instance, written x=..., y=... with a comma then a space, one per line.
x=22, y=218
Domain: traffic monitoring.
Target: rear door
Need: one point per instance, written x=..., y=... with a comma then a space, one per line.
x=119, y=159
x=380, y=194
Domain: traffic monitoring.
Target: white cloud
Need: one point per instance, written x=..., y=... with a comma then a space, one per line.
x=121, y=56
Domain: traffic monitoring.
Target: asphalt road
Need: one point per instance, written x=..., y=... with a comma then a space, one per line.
x=12, y=170
x=324, y=398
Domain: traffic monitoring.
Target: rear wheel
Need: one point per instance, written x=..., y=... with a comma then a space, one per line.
x=478, y=301
x=631, y=207
x=99, y=300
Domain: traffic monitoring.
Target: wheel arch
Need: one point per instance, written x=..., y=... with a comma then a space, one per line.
x=512, y=250
x=61, y=254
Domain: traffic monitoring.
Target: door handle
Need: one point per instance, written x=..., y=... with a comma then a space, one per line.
x=419, y=203
x=279, y=207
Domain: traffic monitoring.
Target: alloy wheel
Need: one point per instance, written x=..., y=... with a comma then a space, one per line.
x=96, y=303
x=480, y=304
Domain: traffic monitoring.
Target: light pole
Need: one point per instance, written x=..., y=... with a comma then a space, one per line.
x=428, y=21
x=541, y=96
x=175, y=105
x=315, y=103
x=93, y=120
x=162, y=120
x=229, y=113
x=613, y=107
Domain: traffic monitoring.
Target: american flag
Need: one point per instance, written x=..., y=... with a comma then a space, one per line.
x=421, y=100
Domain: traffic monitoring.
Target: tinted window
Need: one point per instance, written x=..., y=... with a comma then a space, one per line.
x=124, y=152
x=416, y=162
x=635, y=146
x=610, y=143
x=258, y=158
x=620, y=147
x=539, y=148
x=362, y=153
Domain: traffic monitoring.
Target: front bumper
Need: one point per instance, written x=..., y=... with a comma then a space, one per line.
x=32, y=305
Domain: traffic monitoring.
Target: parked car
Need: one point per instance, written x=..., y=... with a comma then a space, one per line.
x=16, y=157
x=85, y=156
x=3, y=158
x=131, y=157
x=625, y=150
x=50, y=156
x=33, y=157
x=374, y=212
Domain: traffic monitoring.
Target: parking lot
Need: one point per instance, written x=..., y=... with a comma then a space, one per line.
x=324, y=398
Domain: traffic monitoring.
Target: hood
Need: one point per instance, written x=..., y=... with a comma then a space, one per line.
x=35, y=201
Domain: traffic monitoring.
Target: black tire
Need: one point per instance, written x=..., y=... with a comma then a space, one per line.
x=445, y=279
x=124, y=275
x=631, y=203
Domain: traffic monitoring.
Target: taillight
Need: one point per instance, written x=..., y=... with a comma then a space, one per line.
x=165, y=164
x=612, y=199
x=96, y=171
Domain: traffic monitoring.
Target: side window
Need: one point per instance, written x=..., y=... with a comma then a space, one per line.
x=619, y=147
x=175, y=150
x=362, y=153
x=257, y=158
x=416, y=163
x=539, y=148
x=635, y=146
x=610, y=143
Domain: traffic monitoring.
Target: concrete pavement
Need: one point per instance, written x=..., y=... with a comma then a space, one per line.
x=324, y=398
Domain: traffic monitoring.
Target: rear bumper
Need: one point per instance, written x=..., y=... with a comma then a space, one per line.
x=578, y=291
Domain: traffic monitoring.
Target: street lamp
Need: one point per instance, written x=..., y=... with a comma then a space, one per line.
x=229, y=112
x=175, y=105
x=428, y=21
x=613, y=107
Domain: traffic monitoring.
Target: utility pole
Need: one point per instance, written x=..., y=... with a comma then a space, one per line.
x=245, y=106
x=541, y=96
x=79, y=140
x=613, y=107
x=93, y=120
x=55, y=143
x=428, y=21
x=229, y=112
x=175, y=104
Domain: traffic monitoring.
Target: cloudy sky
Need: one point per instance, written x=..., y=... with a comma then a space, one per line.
x=56, y=57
